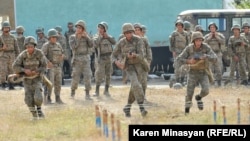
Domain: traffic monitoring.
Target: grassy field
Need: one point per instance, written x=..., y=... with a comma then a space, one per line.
x=75, y=120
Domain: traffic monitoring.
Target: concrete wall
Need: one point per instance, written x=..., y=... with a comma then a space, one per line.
x=158, y=15
x=7, y=12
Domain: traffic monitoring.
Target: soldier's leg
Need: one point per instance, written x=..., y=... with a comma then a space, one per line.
x=38, y=97
x=76, y=72
x=242, y=70
x=127, y=108
x=204, y=82
x=3, y=72
x=248, y=65
x=108, y=71
x=29, y=98
x=233, y=66
x=57, y=85
x=191, y=83
x=87, y=79
x=99, y=74
x=51, y=77
x=10, y=70
x=218, y=71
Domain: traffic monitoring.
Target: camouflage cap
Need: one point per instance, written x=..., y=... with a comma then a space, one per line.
x=52, y=33
x=137, y=25
x=6, y=24
x=58, y=29
x=144, y=28
x=196, y=35
x=198, y=28
x=245, y=25
x=187, y=25
x=81, y=23
x=179, y=22
x=39, y=30
x=104, y=25
x=127, y=27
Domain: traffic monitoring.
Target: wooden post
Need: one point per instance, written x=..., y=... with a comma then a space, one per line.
x=98, y=119
x=224, y=114
x=113, y=126
x=215, y=114
x=105, y=123
x=118, y=130
x=238, y=114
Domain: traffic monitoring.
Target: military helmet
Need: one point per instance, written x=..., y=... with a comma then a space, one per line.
x=127, y=27
x=236, y=26
x=144, y=28
x=187, y=25
x=137, y=25
x=212, y=23
x=179, y=21
x=245, y=25
x=104, y=25
x=198, y=28
x=30, y=40
x=58, y=29
x=20, y=29
x=6, y=24
x=196, y=35
x=52, y=33
x=39, y=30
x=81, y=23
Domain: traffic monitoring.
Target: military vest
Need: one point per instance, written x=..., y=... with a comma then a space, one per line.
x=31, y=61
x=54, y=52
x=105, y=46
x=236, y=44
x=82, y=46
x=179, y=41
x=9, y=40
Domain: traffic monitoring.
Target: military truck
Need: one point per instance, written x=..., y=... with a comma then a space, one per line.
x=224, y=19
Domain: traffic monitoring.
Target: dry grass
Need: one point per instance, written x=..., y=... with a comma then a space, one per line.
x=75, y=120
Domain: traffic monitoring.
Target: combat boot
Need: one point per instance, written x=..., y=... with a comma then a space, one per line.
x=142, y=109
x=33, y=112
x=11, y=87
x=3, y=85
x=187, y=109
x=48, y=100
x=106, y=91
x=58, y=100
x=126, y=110
x=244, y=82
x=97, y=90
x=40, y=113
x=183, y=81
x=72, y=95
x=199, y=102
x=87, y=96
x=227, y=82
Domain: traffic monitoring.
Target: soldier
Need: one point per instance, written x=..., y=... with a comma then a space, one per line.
x=215, y=40
x=192, y=54
x=62, y=40
x=148, y=56
x=67, y=35
x=41, y=39
x=20, y=37
x=246, y=33
x=144, y=31
x=131, y=49
x=187, y=28
x=54, y=54
x=8, y=52
x=103, y=43
x=32, y=62
x=237, y=45
x=81, y=44
x=178, y=41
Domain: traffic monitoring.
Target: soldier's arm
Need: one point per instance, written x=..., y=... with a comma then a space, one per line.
x=43, y=63
x=140, y=49
x=116, y=52
x=230, y=48
x=148, y=51
x=111, y=39
x=73, y=42
x=183, y=57
x=89, y=42
x=246, y=42
x=18, y=64
x=212, y=57
x=16, y=47
x=172, y=43
x=221, y=38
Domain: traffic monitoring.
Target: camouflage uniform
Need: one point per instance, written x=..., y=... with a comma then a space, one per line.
x=178, y=41
x=103, y=46
x=62, y=41
x=33, y=87
x=199, y=75
x=147, y=56
x=8, y=55
x=216, y=40
x=237, y=48
x=81, y=48
x=40, y=40
x=134, y=68
x=187, y=28
x=68, y=50
x=54, y=55
x=247, y=35
x=20, y=38
x=124, y=74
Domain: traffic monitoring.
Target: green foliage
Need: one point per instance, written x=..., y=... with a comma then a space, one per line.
x=242, y=4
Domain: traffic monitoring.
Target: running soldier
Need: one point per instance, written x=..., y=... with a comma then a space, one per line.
x=246, y=33
x=237, y=46
x=9, y=50
x=54, y=54
x=131, y=49
x=179, y=39
x=215, y=40
x=81, y=45
x=197, y=52
x=103, y=43
x=32, y=62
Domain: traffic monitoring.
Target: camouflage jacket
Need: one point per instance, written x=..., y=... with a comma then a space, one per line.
x=215, y=42
x=53, y=52
x=11, y=43
x=235, y=47
x=178, y=41
x=34, y=62
x=247, y=35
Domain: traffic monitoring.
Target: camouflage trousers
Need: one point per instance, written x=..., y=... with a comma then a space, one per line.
x=135, y=74
x=6, y=61
x=103, y=70
x=81, y=68
x=33, y=92
x=178, y=71
x=55, y=76
x=194, y=77
x=241, y=67
x=217, y=67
